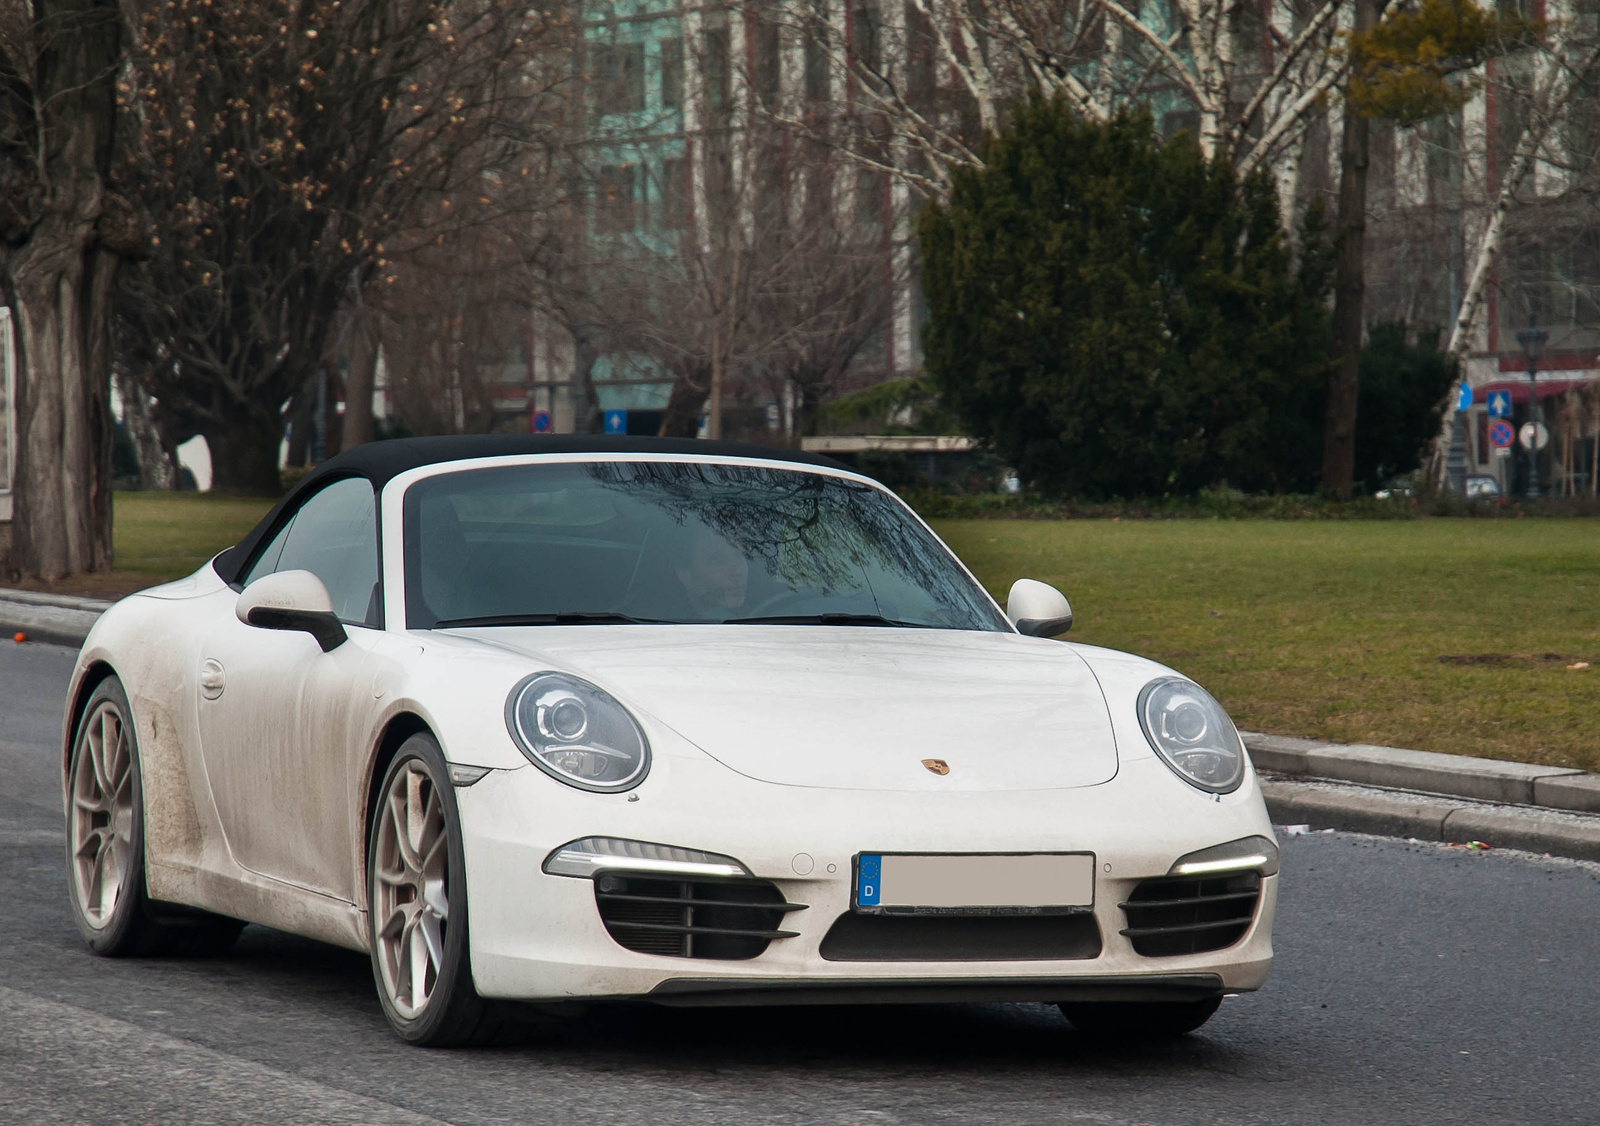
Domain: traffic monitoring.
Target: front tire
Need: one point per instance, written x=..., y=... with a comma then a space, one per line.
x=105, y=845
x=417, y=897
x=1139, y=1020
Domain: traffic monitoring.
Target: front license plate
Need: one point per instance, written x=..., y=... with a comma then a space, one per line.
x=1026, y=883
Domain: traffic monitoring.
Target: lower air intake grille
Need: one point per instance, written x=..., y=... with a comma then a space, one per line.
x=727, y=919
x=961, y=938
x=1188, y=916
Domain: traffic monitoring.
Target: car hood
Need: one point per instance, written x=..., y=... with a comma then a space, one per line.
x=850, y=707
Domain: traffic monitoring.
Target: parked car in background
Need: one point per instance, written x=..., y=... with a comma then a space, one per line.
x=1481, y=486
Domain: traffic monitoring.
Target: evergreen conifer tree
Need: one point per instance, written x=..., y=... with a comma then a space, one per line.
x=1119, y=316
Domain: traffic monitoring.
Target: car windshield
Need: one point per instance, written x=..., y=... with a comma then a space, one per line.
x=653, y=541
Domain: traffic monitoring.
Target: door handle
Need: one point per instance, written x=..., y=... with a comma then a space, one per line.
x=212, y=678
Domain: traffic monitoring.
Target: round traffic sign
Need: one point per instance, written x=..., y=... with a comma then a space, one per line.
x=1501, y=435
x=1534, y=432
x=1463, y=396
x=541, y=422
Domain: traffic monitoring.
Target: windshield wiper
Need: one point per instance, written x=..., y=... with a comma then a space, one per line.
x=827, y=619
x=565, y=618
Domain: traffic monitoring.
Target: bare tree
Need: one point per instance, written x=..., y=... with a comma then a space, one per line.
x=451, y=318
x=738, y=261
x=1541, y=94
x=287, y=151
x=1253, y=75
x=1558, y=75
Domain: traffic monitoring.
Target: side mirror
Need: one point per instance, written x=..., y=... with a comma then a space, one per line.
x=294, y=600
x=1038, y=609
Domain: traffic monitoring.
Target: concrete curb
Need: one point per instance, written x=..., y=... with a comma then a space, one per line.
x=1323, y=805
x=56, y=619
x=1393, y=768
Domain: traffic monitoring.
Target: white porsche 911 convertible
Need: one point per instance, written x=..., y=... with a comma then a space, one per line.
x=572, y=719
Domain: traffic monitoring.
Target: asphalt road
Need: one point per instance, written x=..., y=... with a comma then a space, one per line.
x=1414, y=984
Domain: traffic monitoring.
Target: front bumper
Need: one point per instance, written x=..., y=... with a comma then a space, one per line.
x=539, y=937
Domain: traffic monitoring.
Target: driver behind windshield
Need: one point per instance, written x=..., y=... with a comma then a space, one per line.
x=714, y=574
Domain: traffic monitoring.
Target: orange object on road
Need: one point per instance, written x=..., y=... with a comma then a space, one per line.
x=19, y=637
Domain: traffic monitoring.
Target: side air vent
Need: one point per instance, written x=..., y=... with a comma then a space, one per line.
x=1182, y=915
x=725, y=919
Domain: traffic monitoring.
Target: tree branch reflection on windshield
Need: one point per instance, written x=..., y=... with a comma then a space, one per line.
x=675, y=542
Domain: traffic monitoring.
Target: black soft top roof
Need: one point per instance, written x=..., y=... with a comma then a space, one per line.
x=380, y=462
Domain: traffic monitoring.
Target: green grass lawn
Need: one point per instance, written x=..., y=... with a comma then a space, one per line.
x=168, y=535
x=1440, y=634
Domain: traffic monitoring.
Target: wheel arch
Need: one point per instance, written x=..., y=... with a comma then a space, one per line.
x=399, y=728
x=95, y=675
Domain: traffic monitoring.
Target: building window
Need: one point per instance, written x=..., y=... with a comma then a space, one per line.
x=768, y=64
x=672, y=73
x=613, y=203
x=719, y=69
x=618, y=77
x=864, y=36
x=674, y=205
x=718, y=166
x=921, y=52
x=870, y=188
x=816, y=71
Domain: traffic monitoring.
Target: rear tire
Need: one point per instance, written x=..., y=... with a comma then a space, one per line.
x=1139, y=1020
x=417, y=900
x=105, y=845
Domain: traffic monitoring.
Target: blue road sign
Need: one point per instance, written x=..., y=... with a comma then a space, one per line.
x=541, y=422
x=616, y=422
x=1499, y=404
x=1463, y=396
x=1501, y=435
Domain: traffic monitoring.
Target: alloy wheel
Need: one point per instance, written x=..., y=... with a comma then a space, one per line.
x=411, y=900
x=102, y=814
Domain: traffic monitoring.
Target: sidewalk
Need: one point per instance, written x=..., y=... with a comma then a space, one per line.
x=1387, y=791
x=56, y=619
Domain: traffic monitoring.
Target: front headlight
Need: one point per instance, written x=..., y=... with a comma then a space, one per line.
x=1192, y=734
x=577, y=733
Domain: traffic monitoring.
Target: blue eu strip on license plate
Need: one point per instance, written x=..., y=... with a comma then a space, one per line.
x=869, y=871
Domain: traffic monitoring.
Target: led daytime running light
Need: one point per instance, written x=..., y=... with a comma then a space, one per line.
x=593, y=855
x=1201, y=867
x=1248, y=854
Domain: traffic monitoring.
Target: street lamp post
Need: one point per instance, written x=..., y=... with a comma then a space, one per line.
x=1532, y=340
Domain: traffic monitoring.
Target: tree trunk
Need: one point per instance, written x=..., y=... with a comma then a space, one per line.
x=62, y=514
x=1349, y=291
x=333, y=421
x=300, y=423
x=682, y=417
x=156, y=470
x=244, y=456
x=57, y=272
x=714, y=414
x=357, y=427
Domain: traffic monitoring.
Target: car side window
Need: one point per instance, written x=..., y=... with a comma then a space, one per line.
x=334, y=535
x=267, y=561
